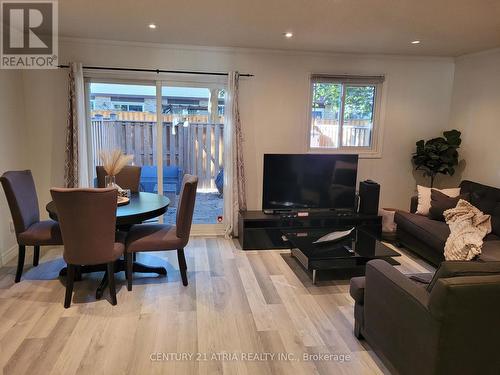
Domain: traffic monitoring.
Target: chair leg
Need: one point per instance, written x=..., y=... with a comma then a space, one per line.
x=20, y=262
x=182, y=266
x=129, y=270
x=70, y=277
x=36, y=255
x=111, y=278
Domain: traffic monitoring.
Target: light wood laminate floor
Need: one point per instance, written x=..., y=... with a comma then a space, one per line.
x=239, y=308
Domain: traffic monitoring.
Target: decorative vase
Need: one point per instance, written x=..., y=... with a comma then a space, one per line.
x=109, y=181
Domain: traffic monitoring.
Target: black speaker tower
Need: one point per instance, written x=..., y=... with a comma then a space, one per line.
x=369, y=192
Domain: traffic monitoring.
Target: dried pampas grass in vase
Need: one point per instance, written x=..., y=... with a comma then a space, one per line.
x=113, y=162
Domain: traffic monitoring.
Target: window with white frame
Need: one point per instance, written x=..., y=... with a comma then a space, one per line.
x=344, y=112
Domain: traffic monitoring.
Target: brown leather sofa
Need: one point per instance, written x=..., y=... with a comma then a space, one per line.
x=427, y=237
x=449, y=326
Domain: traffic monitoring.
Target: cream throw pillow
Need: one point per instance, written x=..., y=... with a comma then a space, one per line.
x=424, y=198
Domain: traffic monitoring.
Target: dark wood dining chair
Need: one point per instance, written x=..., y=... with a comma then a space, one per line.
x=162, y=237
x=88, y=226
x=128, y=178
x=22, y=199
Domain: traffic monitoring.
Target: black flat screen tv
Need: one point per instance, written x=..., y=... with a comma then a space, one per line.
x=309, y=181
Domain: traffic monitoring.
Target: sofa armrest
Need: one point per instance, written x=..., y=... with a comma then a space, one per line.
x=382, y=278
x=397, y=321
x=413, y=204
x=357, y=289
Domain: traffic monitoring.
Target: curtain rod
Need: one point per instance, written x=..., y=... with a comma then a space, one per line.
x=158, y=71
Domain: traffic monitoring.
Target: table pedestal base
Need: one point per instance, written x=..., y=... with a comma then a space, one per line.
x=120, y=265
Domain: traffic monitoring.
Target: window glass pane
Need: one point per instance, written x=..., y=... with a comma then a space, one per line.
x=193, y=130
x=135, y=108
x=358, y=116
x=325, y=114
x=123, y=116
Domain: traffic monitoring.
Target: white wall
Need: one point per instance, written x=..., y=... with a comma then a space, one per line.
x=274, y=104
x=46, y=102
x=476, y=112
x=13, y=148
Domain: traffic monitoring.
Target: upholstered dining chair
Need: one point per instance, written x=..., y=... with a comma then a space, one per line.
x=88, y=226
x=22, y=199
x=161, y=237
x=128, y=178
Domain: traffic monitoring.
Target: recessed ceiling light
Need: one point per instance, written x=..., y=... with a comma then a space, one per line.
x=288, y=34
x=152, y=26
x=416, y=42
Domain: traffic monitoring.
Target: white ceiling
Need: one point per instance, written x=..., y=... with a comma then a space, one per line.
x=445, y=27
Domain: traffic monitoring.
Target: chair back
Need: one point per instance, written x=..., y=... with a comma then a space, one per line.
x=185, y=209
x=20, y=191
x=128, y=178
x=88, y=223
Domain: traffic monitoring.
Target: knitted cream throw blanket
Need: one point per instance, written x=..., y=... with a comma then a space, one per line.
x=468, y=226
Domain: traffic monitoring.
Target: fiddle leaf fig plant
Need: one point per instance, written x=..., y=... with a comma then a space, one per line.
x=438, y=155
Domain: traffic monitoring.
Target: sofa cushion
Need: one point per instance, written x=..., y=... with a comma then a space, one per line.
x=489, y=206
x=440, y=202
x=424, y=197
x=433, y=233
x=487, y=199
x=452, y=268
x=491, y=237
x=490, y=251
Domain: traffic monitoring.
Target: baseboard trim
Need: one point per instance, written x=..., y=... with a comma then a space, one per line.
x=202, y=230
x=8, y=255
x=207, y=233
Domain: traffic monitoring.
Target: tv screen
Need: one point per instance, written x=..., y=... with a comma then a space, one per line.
x=309, y=181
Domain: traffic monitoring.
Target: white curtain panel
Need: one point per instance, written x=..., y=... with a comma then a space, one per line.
x=76, y=166
x=234, y=168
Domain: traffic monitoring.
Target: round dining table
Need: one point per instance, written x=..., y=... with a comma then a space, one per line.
x=142, y=207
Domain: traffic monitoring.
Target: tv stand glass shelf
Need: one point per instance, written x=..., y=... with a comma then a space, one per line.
x=259, y=231
x=351, y=252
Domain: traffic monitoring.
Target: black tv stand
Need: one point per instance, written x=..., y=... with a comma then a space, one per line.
x=259, y=231
x=277, y=212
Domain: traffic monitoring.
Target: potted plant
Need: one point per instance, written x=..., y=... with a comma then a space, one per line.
x=438, y=155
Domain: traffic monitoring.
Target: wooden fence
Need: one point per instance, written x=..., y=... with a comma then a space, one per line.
x=103, y=115
x=326, y=135
x=196, y=149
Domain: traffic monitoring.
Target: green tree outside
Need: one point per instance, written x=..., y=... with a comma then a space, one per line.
x=358, y=100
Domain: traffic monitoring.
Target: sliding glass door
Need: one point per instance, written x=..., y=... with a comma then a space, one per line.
x=190, y=139
x=193, y=125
